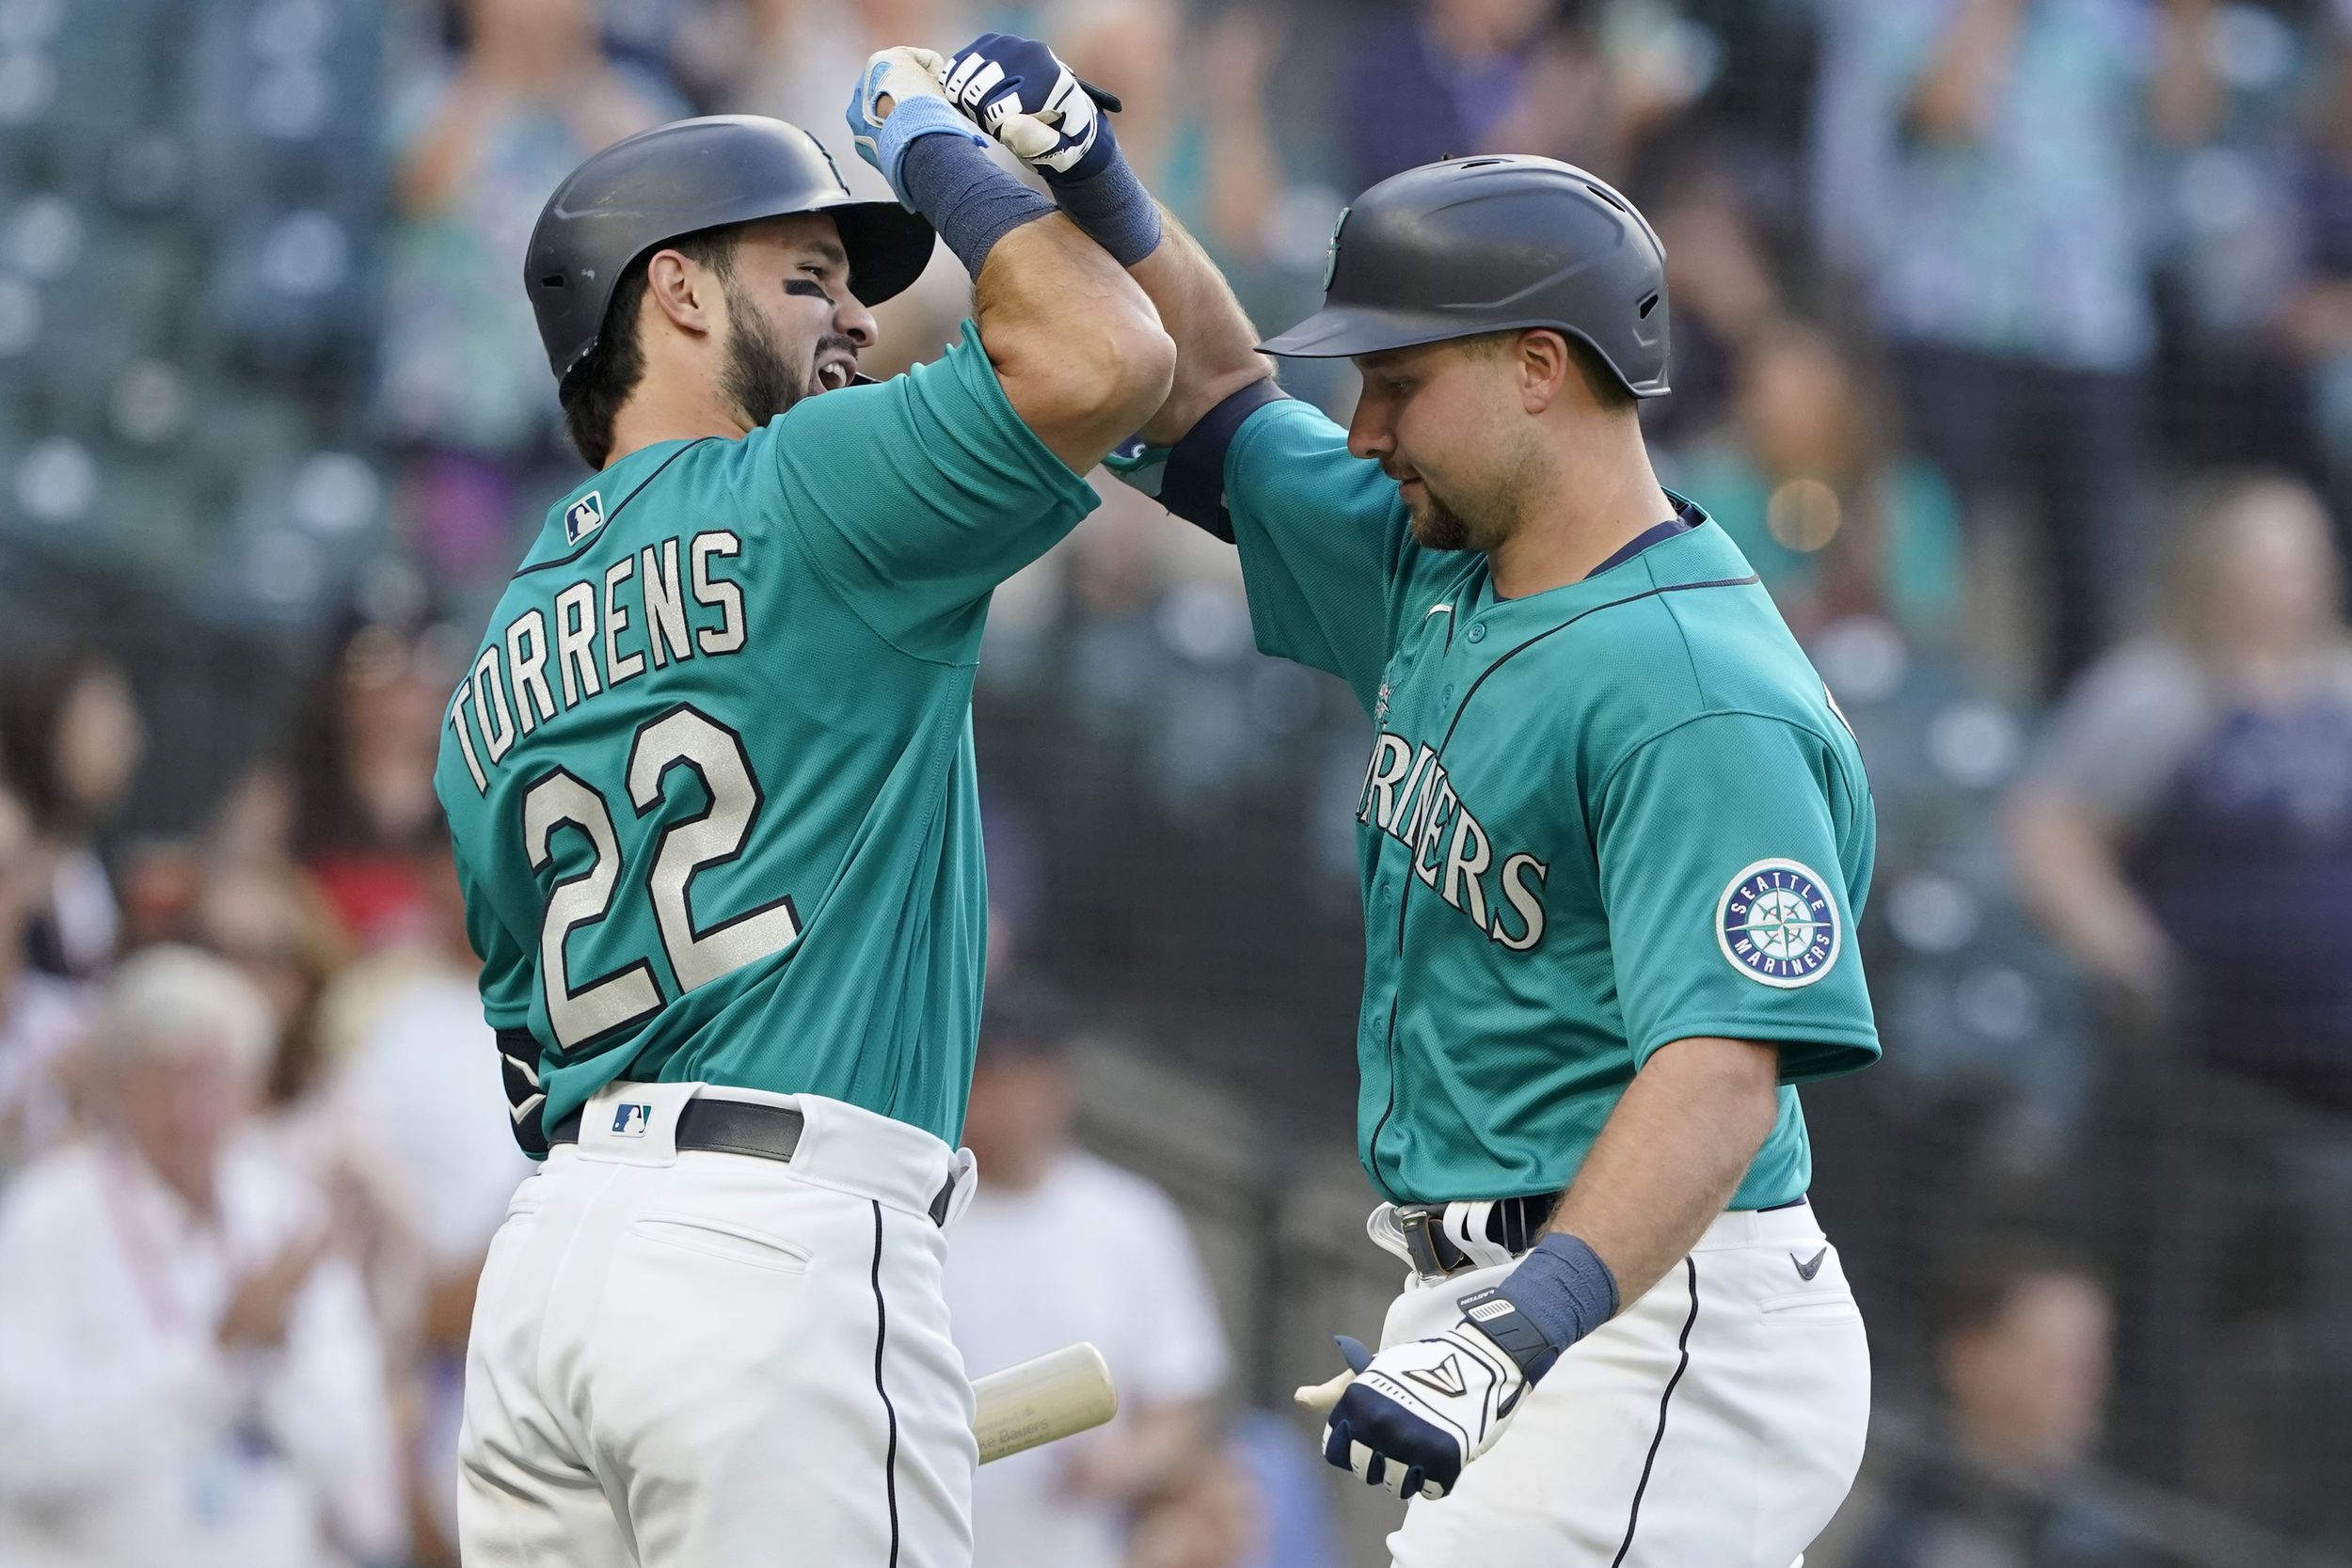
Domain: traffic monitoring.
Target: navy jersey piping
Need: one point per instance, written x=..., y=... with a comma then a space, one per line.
x=590, y=543
x=1371, y=1147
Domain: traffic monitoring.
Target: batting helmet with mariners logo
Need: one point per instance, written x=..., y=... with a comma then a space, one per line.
x=679, y=179
x=1469, y=246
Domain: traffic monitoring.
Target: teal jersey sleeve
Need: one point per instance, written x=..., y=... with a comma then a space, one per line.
x=1324, y=540
x=920, y=495
x=1734, y=851
x=508, y=977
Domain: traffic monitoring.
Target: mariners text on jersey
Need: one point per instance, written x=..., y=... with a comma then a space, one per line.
x=1408, y=795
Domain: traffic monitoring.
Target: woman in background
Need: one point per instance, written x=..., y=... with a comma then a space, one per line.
x=70, y=738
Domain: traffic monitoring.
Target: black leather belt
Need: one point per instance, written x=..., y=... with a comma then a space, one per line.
x=1515, y=1224
x=740, y=1127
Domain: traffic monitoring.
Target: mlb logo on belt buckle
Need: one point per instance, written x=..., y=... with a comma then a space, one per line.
x=630, y=1121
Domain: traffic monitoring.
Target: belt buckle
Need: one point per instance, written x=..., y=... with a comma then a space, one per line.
x=1418, y=1223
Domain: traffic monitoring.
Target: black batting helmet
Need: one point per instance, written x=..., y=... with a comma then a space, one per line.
x=1486, y=245
x=684, y=177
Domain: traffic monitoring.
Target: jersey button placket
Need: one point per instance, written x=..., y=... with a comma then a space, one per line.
x=1478, y=631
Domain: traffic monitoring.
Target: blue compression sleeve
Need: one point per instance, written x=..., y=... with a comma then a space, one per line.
x=971, y=202
x=1560, y=1292
x=1113, y=208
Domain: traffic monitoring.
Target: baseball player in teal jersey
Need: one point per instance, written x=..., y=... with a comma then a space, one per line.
x=1615, y=837
x=711, y=782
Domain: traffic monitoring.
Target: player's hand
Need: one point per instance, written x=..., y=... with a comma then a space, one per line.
x=896, y=100
x=1016, y=90
x=1416, y=1412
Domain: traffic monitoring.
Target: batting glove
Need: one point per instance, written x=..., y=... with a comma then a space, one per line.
x=1016, y=90
x=1417, y=1412
x=909, y=79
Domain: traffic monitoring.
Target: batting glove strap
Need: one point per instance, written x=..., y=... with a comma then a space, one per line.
x=1560, y=1292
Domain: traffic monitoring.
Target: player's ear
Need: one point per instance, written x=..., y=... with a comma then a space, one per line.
x=1543, y=366
x=686, y=294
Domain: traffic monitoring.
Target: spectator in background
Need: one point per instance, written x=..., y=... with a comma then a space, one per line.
x=70, y=738
x=41, y=1016
x=2187, y=833
x=362, y=771
x=2024, y=1364
x=188, y=1374
x=477, y=149
x=1835, y=521
x=1974, y=170
x=1057, y=1246
x=2314, y=317
x=1451, y=77
x=268, y=919
x=411, y=1095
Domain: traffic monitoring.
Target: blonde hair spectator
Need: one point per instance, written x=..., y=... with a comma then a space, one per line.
x=167, y=1003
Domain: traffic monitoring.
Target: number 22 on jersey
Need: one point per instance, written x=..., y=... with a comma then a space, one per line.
x=584, y=1013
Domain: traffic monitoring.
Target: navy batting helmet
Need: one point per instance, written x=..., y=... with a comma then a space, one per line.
x=1487, y=245
x=681, y=177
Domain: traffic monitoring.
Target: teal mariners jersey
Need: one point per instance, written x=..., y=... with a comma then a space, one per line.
x=711, y=775
x=1595, y=821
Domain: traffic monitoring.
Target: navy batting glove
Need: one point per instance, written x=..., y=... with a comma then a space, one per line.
x=1416, y=1412
x=1016, y=90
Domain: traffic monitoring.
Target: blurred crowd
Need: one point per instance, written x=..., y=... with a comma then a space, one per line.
x=2012, y=341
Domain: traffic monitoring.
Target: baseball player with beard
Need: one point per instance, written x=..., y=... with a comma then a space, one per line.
x=1615, y=837
x=710, y=782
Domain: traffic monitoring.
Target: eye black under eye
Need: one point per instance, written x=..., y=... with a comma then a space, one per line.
x=806, y=287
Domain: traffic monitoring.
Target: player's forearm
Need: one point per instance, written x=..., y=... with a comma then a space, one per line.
x=1671, y=1156
x=1216, y=351
x=1074, y=341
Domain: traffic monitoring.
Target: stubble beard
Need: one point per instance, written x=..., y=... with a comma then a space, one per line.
x=1438, y=527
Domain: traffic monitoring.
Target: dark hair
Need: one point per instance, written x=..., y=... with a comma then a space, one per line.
x=1023, y=1019
x=38, y=678
x=1984, y=1280
x=595, y=389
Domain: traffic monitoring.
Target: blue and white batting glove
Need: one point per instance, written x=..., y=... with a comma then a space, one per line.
x=910, y=78
x=1412, y=1417
x=1415, y=1413
x=1016, y=90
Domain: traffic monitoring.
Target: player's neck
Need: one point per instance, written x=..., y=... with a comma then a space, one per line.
x=1592, y=504
x=655, y=414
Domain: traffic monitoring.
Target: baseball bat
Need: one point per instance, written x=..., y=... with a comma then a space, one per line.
x=1061, y=1392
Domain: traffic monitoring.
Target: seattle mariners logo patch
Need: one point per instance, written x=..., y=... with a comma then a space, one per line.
x=1777, y=923
x=583, y=517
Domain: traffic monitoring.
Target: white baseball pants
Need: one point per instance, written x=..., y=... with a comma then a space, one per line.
x=698, y=1359
x=1717, y=1422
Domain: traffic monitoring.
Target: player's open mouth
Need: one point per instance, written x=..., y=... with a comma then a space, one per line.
x=834, y=375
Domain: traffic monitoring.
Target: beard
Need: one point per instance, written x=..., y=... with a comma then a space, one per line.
x=1438, y=526
x=759, y=377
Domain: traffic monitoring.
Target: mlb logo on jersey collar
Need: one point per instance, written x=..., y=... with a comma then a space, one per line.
x=583, y=517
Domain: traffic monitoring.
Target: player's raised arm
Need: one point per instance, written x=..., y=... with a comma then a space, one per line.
x=1073, y=340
